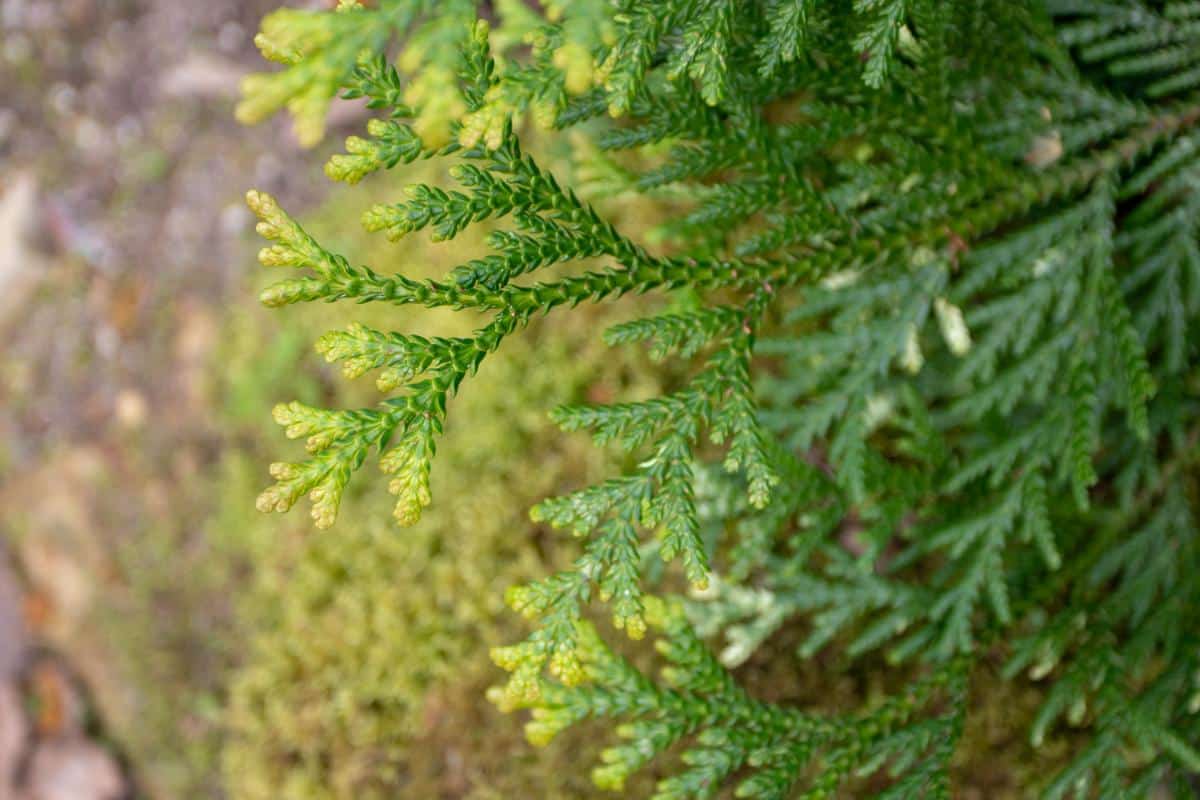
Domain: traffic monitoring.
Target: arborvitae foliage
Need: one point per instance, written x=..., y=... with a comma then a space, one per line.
x=936, y=275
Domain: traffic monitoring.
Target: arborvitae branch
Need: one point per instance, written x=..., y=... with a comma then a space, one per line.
x=940, y=278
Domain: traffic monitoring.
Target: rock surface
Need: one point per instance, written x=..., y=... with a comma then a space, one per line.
x=73, y=769
x=44, y=750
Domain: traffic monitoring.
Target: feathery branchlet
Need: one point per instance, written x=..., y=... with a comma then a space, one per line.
x=935, y=270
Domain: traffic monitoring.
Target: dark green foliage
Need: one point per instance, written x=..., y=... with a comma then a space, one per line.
x=936, y=270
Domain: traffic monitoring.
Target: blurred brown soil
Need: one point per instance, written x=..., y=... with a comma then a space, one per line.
x=123, y=237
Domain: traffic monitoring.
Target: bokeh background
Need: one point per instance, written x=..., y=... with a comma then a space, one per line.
x=158, y=637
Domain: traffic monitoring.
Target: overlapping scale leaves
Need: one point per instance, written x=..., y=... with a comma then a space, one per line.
x=935, y=283
x=728, y=737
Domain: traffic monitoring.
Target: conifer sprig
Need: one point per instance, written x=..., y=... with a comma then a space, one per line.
x=937, y=273
x=764, y=750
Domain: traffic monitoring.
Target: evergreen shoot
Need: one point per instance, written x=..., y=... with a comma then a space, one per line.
x=930, y=277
